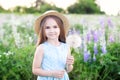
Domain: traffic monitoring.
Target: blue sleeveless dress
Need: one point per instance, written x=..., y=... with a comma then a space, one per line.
x=54, y=59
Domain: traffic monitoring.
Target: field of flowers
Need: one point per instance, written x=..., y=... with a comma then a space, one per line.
x=94, y=41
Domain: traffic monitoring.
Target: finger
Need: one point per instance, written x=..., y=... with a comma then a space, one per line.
x=70, y=58
x=70, y=62
x=60, y=75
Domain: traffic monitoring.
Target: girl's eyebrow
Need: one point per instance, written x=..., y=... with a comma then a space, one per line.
x=47, y=26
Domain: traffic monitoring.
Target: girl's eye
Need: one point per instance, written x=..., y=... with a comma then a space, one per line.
x=55, y=26
x=47, y=27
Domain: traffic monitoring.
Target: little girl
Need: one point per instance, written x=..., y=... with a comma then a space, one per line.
x=52, y=58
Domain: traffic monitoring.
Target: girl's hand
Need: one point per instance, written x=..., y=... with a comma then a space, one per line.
x=58, y=74
x=70, y=60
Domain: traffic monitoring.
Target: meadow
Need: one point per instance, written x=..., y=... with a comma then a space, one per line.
x=96, y=46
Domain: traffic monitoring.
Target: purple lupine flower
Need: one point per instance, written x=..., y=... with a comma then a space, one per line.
x=95, y=48
x=95, y=36
x=100, y=32
x=102, y=23
x=73, y=31
x=111, y=38
x=110, y=24
x=103, y=48
x=70, y=32
x=86, y=56
x=88, y=37
x=92, y=32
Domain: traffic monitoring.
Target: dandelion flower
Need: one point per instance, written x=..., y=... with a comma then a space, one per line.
x=74, y=40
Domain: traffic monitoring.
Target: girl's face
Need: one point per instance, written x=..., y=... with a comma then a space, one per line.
x=52, y=29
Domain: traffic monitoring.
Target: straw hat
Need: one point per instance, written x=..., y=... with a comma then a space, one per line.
x=55, y=13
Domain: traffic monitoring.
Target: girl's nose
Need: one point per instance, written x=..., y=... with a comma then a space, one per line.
x=51, y=30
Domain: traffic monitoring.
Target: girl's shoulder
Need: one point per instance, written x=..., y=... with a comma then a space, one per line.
x=43, y=46
x=40, y=47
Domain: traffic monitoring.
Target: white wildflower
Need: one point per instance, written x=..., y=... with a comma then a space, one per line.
x=8, y=53
x=74, y=40
x=30, y=39
x=119, y=73
x=1, y=32
x=16, y=35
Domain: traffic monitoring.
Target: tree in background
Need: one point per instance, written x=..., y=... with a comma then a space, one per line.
x=84, y=7
x=43, y=6
x=40, y=6
x=1, y=9
x=38, y=3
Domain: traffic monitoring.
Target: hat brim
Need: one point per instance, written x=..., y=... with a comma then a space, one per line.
x=55, y=13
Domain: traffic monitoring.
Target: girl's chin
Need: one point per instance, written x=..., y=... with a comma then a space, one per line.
x=53, y=38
